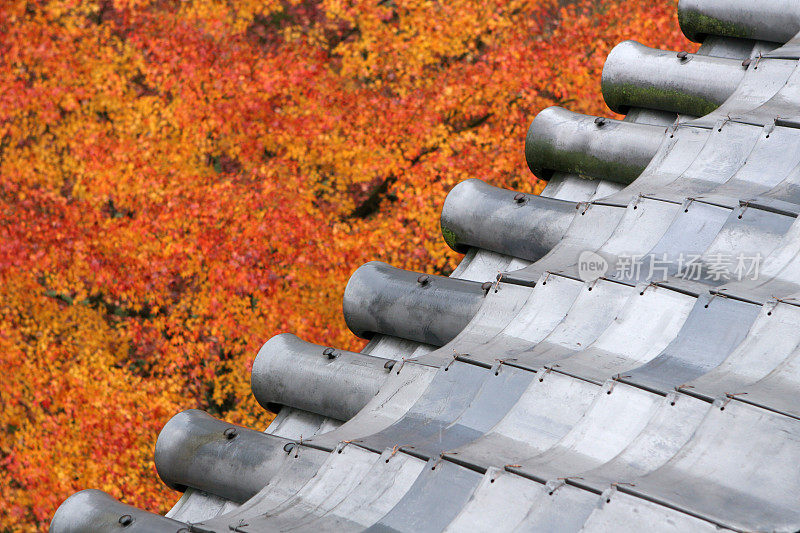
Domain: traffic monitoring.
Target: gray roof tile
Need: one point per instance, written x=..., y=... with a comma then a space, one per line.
x=536, y=399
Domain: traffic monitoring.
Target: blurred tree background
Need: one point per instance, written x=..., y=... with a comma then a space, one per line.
x=182, y=179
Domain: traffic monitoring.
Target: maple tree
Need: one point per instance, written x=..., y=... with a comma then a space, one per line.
x=181, y=180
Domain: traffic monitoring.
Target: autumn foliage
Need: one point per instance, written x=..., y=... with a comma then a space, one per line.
x=182, y=179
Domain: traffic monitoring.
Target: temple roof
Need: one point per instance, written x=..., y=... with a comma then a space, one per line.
x=621, y=352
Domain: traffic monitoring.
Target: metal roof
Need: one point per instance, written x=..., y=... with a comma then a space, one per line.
x=543, y=398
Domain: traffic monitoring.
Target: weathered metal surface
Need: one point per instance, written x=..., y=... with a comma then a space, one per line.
x=551, y=405
x=597, y=306
x=777, y=20
x=323, y=380
x=543, y=309
x=771, y=161
x=693, y=229
x=778, y=390
x=747, y=235
x=574, y=188
x=196, y=450
x=519, y=394
x=333, y=482
x=779, y=276
x=196, y=505
x=560, y=140
x=617, y=510
x=735, y=470
x=670, y=426
x=771, y=342
x=481, y=401
x=650, y=319
x=712, y=329
x=94, y=511
x=406, y=383
x=435, y=499
x=681, y=145
x=592, y=226
x=644, y=223
x=600, y=435
x=477, y=215
x=790, y=50
x=299, y=467
x=762, y=81
x=432, y=309
x=638, y=76
x=524, y=505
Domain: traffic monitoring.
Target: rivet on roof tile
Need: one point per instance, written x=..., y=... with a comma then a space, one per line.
x=330, y=352
x=600, y=121
x=126, y=520
x=388, y=365
x=424, y=279
x=519, y=197
x=230, y=433
x=683, y=54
